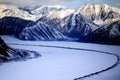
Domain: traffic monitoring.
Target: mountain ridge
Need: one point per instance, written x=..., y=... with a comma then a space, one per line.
x=60, y=23
x=41, y=31
x=100, y=14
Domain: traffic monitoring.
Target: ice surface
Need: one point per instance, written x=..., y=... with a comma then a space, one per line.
x=59, y=63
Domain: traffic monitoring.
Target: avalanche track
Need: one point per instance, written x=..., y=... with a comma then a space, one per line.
x=90, y=50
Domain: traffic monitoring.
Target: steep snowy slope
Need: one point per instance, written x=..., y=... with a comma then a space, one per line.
x=72, y=24
x=13, y=25
x=109, y=33
x=41, y=31
x=100, y=14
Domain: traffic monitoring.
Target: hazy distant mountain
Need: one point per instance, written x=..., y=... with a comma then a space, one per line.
x=41, y=31
x=40, y=11
x=44, y=10
x=12, y=25
x=13, y=11
x=109, y=33
x=100, y=14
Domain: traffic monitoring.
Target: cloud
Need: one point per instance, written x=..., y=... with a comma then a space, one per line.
x=18, y=2
x=67, y=3
x=30, y=2
x=55, y=2
x=118, y=3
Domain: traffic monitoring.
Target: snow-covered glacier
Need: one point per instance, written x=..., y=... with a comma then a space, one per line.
x=62, y=61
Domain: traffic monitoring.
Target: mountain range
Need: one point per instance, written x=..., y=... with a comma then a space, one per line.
x=90, y=23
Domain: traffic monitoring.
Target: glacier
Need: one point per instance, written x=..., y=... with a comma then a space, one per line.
x=59, y=63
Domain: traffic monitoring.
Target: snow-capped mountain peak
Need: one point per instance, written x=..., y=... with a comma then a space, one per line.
x=61, y=14
x=47, y=9
x=100, y=14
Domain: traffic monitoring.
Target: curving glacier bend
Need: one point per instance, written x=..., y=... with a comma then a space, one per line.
x=61, y=64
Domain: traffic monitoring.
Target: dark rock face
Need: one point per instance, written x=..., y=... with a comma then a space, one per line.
x=3, y=48
x=9, y=54
x=13, y=25
x=109, y=33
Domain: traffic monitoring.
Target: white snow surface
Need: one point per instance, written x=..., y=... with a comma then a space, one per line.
x=59, y=63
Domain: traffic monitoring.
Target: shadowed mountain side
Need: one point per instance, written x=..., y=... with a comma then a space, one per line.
x=13, y=25
x=109, y=34
x=9, y=54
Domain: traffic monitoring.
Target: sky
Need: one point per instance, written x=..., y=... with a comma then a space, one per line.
x=66, y=3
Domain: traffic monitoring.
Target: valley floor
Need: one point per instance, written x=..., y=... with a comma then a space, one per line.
x=61, y=61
